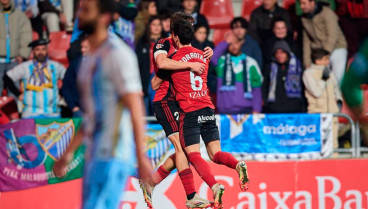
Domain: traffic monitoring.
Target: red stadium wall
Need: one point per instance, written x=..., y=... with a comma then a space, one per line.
x=329, y=184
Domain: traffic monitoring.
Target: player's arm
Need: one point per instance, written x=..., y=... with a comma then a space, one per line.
x=156, y=82
x=160, y=52
x=133, y=101
x=61, y=165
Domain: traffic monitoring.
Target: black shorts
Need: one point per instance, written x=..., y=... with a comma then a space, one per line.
x=198, y=123
x=167, y=114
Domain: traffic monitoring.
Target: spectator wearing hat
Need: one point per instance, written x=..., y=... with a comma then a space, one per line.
x=39, y=77
x=15, y=34
x=282, y=86
x=238, y=33
x=261, y=18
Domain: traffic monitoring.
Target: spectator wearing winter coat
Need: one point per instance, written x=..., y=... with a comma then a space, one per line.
x=238, y=33
x=283, y=84
x=239, y=83
x=146, y=9
x=279, y=32
x=15, y=35
x=322, y=31
x=261, y=18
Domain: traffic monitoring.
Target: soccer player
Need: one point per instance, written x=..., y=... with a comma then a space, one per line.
x=110, y=91
x=197, y=115
x=167, y=114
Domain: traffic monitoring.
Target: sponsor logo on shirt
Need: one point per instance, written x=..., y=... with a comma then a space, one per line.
x=159, y=46
x=203, y=119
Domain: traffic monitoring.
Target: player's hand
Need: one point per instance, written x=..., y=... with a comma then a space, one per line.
x=197, y=67
x=60, y=166
x=208, y=53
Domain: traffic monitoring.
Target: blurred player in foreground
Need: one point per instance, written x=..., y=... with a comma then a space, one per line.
x=356, y=76
x=112, y=104
x=167, y=113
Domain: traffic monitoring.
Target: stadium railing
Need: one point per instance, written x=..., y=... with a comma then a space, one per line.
x=360, y=149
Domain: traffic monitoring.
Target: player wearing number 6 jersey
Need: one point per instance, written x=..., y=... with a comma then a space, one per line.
x=167, y=113
x=197, y=115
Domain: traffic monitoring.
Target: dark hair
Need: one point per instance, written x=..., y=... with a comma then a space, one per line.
x=178, y=17
x=243, y=22
x=106, y=6
x=277, y=19
x=184, y=30
x=198, y=26
x=165, y=14
x=147, y=33
x=318, y=54
x=143, y=5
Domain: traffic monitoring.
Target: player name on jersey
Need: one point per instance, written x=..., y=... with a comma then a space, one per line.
x=197, y=94
x=190, y=56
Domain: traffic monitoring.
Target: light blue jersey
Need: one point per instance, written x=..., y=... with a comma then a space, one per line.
x=107, y=75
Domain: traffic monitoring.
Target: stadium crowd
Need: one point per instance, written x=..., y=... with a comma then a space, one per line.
x=277, y=61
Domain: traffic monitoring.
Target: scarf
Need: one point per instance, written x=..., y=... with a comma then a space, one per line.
x=228, y=82
x=292, y=83
x=40, y=77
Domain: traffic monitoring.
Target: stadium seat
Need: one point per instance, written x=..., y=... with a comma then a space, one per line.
x=288, y=3
x=249, y=6
x=58, y=46
x=8, y=110
x=218, y=35
x=35, y=35
x=219, y=13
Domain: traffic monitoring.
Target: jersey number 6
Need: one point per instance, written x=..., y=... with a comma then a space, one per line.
x=194, y=80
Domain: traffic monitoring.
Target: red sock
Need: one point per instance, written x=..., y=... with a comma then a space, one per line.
x=202, y=168
x=186, y=177
x=160, y=175
x=225, y=158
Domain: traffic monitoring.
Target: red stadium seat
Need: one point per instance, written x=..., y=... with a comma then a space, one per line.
x=35, y=35
x=219, y=35
x=58, y=46
x=288, y=3
x=219, y=13
x=8, y=110
x=249, y=6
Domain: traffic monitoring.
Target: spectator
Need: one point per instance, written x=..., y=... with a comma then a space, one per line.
x=123, y=26
x=54, y=12
x=282, y=86
x=322, y=90
x=171, y=5
x=280, y=32
x=321, y=31
x=261, y=17
x=249, y=47
x=165, y=18
x=15, y=34
x=239, y=82
x=146, y=9
x=39, y=76
x=30, y=9
x=69, y=89
x=190, y=7
x=144, y=51
x=200, y=40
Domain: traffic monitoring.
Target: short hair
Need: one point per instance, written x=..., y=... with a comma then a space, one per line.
x=179, y=16
x=165, y=14
x=184, y=30
x=277, y=19
x=106, y=6
x=243, y=22
x=318, y=54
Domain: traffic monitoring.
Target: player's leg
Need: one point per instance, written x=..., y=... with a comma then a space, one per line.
x=211, y=136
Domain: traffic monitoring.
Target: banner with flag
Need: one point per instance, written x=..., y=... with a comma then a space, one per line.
x=29, y=148
x=277, y=136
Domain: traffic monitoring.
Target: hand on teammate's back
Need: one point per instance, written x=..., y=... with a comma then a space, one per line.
x=208, y=53
x=197, y=67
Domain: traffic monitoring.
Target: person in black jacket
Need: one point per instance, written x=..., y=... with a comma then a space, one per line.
x=283, y=90
x=69, y=89
x=190, y=7
x=261, y=17
x=280, y=31
x=144, y=51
